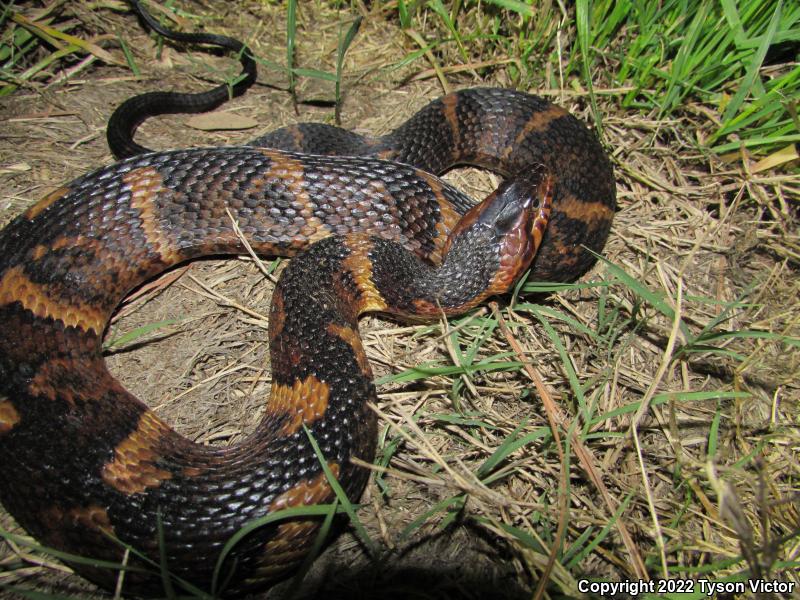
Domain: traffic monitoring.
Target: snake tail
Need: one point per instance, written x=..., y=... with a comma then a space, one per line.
x=134, y=111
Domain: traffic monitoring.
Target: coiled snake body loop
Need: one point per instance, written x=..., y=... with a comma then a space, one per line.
x=85, y=461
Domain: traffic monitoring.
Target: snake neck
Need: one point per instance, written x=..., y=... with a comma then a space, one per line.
x=344, y=277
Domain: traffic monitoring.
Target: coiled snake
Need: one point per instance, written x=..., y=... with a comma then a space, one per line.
x=83, y=461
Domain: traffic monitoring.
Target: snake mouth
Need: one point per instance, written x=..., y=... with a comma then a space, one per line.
x=519, y=243
x=508, y=212
x=540, y=215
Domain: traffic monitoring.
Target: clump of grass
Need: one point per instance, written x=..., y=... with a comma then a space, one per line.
x=41, y=48
x=737, y=58
x=712, y=52
x=293, y=71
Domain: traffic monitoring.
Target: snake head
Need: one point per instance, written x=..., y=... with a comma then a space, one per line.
x=511, y=222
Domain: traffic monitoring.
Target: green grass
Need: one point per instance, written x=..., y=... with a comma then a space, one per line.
x=664, y=55
x=40, y=49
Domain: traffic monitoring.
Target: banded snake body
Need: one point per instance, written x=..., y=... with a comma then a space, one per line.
x=84, y=461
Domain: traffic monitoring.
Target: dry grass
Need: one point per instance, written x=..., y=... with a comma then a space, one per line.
x=674, y=454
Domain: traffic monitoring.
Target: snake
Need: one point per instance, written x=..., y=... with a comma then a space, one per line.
x=90, y=470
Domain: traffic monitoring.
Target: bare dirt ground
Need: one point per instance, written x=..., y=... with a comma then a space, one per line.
x=690, y=226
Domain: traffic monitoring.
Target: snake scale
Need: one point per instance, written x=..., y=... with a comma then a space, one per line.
x=87, y=465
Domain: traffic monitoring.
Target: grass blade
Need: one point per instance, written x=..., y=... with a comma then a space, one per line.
x=291, y=34
x=344, y=44
x=317, y=510
x=747, y=82
x=341, y=495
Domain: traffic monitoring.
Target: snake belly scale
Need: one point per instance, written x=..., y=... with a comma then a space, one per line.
x=83, y=460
